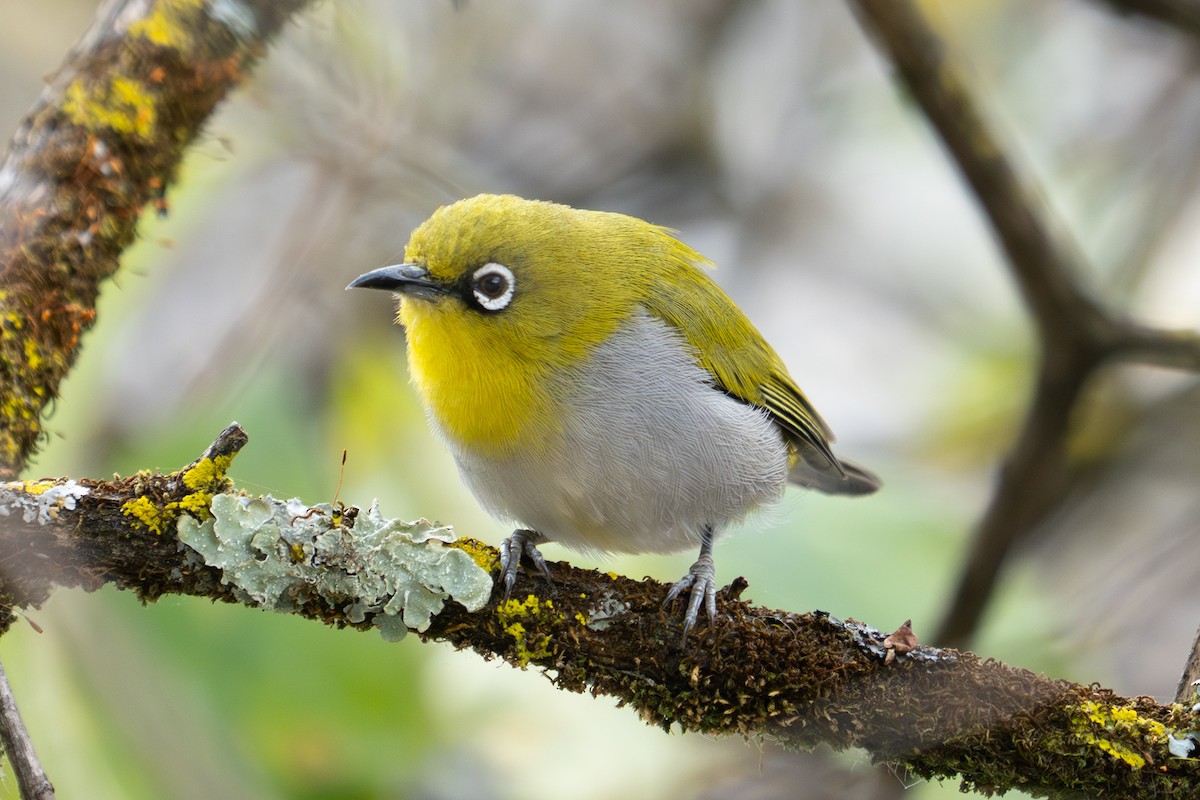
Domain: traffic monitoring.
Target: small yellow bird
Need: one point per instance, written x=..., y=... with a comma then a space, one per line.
x=597, y=387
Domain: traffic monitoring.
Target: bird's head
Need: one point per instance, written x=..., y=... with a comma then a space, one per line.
x=525, y=276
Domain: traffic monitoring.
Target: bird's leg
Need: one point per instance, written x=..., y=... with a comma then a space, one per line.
x=521, y=542
x=702, y=580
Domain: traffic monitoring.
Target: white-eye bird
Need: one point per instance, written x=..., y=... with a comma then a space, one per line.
x=597, y=387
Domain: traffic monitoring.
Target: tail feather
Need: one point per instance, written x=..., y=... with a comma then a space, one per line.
x=842, y=477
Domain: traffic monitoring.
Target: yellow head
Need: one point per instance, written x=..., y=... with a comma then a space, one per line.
x=498, y=293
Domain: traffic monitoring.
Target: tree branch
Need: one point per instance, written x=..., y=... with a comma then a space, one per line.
x=1077, y=334
x=1190, y=680
x=1181, y=14
x=804, y=679
x=1171, y=349
x=104, y=139
x=31, y=779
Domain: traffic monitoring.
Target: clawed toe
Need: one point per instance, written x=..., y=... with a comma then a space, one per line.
x=701, y=583
x=521, y=542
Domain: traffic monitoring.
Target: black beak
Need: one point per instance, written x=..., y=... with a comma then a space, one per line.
x=401, y=278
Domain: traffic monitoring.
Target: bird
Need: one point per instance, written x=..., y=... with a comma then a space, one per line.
x=597, y=388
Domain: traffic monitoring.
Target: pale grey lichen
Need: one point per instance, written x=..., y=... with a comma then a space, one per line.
x=604, y=612
x=237, y=16
x=279, y=555
x=872, y=640
x=39, y=501
x=1183, y=746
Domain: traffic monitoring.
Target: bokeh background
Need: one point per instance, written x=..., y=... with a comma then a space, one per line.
x=770, y=135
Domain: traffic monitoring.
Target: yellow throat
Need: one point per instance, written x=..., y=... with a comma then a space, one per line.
x=494, y=381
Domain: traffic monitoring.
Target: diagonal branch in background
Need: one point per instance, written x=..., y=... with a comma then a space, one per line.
x=1077, y=334
x=104, y=140
x=804, y=679
x=1181, y=14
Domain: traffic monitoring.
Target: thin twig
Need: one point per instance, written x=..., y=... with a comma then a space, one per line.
x=1076, y=333
x=1045, y=261
x=1171, y=349
x=31, y=779
x=1181, y=14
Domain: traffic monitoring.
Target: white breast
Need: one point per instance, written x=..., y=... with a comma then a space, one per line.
x=649, y=454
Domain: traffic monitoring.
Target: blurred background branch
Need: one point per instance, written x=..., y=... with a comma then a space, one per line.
x=104, y=139
x=1077, y=335
x=18, y=747
x=1181, y=14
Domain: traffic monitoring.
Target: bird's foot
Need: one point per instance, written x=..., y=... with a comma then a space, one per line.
x=702, y=581
x=521, y=542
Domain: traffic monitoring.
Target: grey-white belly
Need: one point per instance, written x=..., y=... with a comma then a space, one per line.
x=649, y=453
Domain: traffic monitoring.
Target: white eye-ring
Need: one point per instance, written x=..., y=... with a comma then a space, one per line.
x=493, y=284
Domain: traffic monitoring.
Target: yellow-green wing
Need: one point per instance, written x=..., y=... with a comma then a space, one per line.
x=728, y=345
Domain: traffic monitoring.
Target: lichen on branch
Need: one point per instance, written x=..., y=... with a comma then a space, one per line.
x=282, y=555
x=802, y=679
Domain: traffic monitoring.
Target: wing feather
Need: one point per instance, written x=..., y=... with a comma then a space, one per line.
x=741, y=362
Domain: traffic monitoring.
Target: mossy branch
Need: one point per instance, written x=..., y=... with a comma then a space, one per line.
x=803, y=679
x=102, y=143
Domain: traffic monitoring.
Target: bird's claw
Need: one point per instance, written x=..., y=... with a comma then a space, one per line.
x=521, y=542
x=701, y=580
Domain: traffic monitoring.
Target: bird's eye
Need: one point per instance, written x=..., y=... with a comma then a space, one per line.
x=492, y=285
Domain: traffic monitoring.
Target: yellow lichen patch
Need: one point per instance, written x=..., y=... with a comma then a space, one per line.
x=37, y=487
x=32, y=357
x=1117, y=730
x=168, y=24
x=195, y=503
x=483, y=555
x=146, y=512
x=206, y=473
x=16, y=408
x=524, y=622
x=122, y=105
x=204, y=478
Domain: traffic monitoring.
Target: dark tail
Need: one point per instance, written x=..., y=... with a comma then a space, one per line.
x=815, y=472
